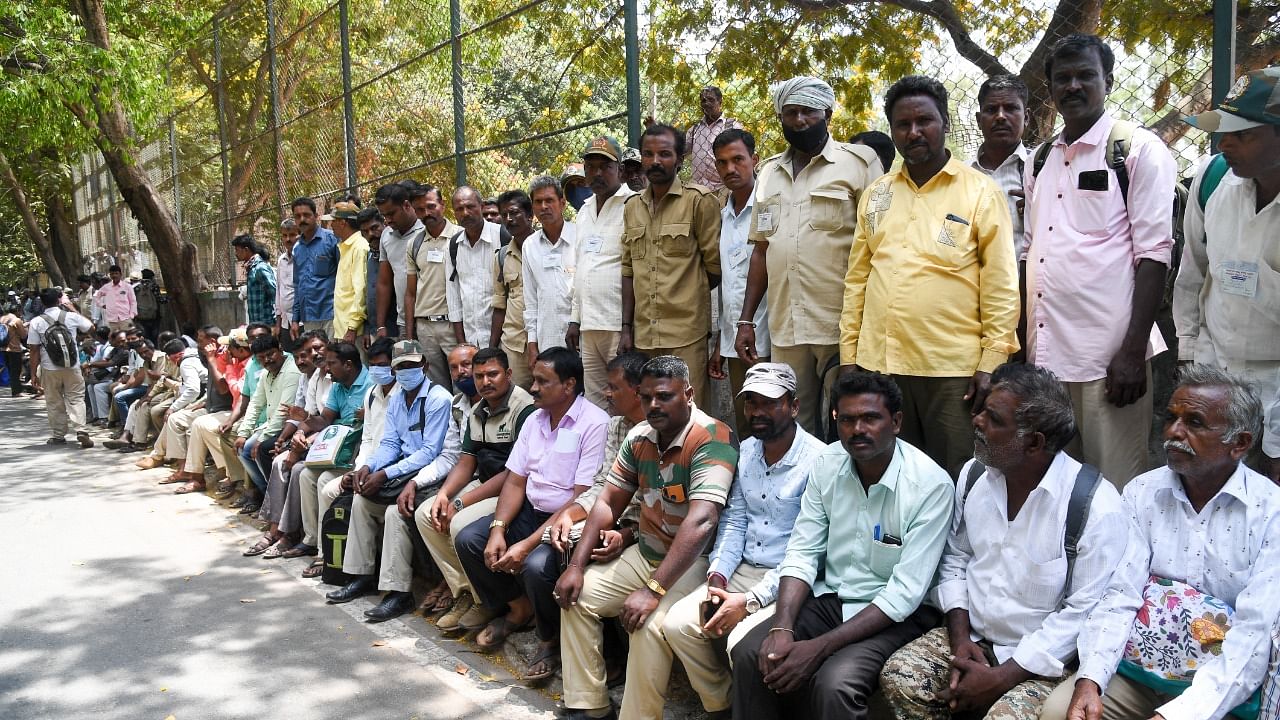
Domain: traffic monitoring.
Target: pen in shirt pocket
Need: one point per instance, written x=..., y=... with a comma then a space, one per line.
x=956, y=218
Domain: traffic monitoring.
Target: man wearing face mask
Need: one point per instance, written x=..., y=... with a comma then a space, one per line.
x=802, y=228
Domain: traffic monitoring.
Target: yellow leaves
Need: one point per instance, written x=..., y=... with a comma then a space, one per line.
x=379, y=643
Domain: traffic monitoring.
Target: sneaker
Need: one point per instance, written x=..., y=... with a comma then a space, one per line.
x=448, y=622
x=84, y=440
x=477, y=617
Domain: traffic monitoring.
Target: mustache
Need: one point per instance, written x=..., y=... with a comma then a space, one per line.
x=858, y=439
x=1179, y=446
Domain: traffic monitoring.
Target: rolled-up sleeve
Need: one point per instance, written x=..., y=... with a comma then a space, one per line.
x=1152, y=174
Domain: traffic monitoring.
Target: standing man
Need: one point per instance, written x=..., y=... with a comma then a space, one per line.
x=735, y=152
x=701, y=136
x=873, y=522
x=507, y=332
x=118, y=302
x=1002, y=115
x=16, y=337
x=402, y=228
x=315, y=257
x=931, y=296
x=549, y=264
x=284, y=279
x=349, y=287
x=595, y=316
x=633, y=169
x=371, y=226
x=147, y=294
x=470, y=263
x=52, y=340
x=802, y=227
x=426, y=303
x=259, y=280
x=670, y=260
x=1098, y=245
x=1226, y=301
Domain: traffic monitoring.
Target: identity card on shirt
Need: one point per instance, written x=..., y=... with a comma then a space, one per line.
x=435, y=256
x=593, y=243
x=1239, y=278
x=566, y=441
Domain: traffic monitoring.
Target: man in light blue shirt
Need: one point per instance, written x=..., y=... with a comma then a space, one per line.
x=414, y=441
x=315, y=271
x=742, y=580
x=873, y=522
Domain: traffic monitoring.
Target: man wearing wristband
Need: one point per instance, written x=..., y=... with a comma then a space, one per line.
x=682, y=462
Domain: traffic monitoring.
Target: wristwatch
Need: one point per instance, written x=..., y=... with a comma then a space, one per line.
x=753, y=604
x=498, y=524
x=656, y=588
x=457, y=504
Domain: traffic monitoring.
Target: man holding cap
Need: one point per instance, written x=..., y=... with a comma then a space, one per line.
x=742, y=580
x=1226, y=301
x=803, y=220
x=595, y=314
x=353, y=263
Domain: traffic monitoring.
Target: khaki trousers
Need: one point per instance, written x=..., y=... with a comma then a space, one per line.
x=695, y=356
x=604, y=589
x=936, y=419
x=441, y=545
x=597, y=348
x=1123, y=700
x=219, y=446
x=436, y=338
x=813, y=381
x=197, y=450
x=520, y=372
x=120, y=325
x=371, y=522
x=145, y=415
x=317, y=491
x=1112, y=439
x=64, y=400
x=175, y=435
x=704, y=662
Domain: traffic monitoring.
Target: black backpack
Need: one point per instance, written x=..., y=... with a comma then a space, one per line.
x=333, y=539
x=60, y=342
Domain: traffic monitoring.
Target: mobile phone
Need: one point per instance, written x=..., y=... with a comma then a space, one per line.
x=708, y=608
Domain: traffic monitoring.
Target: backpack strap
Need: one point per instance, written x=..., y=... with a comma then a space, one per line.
x=1213, y=174
x=417, y=244
x=1078, y=515
x=453, y=255
x=1042, y=155
x=975, y=472
x=1119, y=140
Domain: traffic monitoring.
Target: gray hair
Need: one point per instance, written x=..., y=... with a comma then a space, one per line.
x=666, y=366
x=1244, y=408
x=546, y=181
x=1043, y=403
x=289, y=224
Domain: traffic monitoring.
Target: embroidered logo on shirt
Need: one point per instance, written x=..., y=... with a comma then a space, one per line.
x=878, y=205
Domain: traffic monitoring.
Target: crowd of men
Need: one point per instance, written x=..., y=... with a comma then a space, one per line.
x=935, y=484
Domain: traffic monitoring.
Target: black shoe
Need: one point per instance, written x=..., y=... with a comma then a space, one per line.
x=393, y=605
x=571, y=714
x=362, y=585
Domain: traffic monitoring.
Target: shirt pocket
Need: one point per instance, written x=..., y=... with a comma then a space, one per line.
x=884, y=558
x=952, y=245
x=675, y=240
x=1088, y=211
x=1042, y=587
x=636, y=243
x=827, y=209
x=324, y=264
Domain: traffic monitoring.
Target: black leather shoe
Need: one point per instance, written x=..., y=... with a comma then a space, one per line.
x=570, y=714
x=363, y=585
x=393, y=605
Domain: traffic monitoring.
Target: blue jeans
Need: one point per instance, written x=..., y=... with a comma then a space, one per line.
x=256, y=458
x=125, y=398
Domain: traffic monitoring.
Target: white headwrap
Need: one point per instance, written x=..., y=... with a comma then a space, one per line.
x=804, y=91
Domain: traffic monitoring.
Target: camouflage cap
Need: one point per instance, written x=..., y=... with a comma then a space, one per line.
x=344, y=211
x=406, y=351
x=1253, y=101
x=769, y=379
x=631, y=155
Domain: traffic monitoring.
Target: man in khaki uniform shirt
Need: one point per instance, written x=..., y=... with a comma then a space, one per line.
x=670, y=260
x=804, y=217
x=424, y=299
x=515, y=210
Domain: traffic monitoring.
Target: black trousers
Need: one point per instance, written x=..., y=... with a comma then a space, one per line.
x=538, y=579
x=13, y=362
x=842, y=684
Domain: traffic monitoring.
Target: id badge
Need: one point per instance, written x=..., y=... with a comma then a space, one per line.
x=765, y=220
x=593, y=244
x=674, y=493
x=1239, y=278
x=435, y=256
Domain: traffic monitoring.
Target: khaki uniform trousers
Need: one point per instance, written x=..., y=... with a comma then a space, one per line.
x=175, y=434
x=704, y=663
x=145, y=415
x=597, y=348
x=813, y=381
x=437, y=340
x=197, y=450
x=371, y=522
x=64, y=400
x=936, y=419
x=1112, y=439
x=915, y=675
x=220, y=447
x=1123, y=700
x=441, y=545
x=604, y=589
x=520, y=372
x=695, y=356
x=317, y=491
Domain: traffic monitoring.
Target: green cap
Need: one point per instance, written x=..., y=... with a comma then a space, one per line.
x=344, y=211
x=1253, y=101
x=605, y=146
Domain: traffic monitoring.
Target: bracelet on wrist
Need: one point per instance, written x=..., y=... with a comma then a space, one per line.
x=782, y=629
x=748, y=323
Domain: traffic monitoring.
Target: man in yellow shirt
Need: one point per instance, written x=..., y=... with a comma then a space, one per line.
x=353, y=264
x=931, y=295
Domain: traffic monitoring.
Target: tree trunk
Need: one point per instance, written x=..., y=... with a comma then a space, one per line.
x=62, y=235
x=114, y=138
x=30, y=224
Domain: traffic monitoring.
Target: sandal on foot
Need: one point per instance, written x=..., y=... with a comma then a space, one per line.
x=300, y=550
x=497, y=631
x=314, y=569
x=173, y=479
x=190, y=487
x=444, y=602
x=261, y=546
x=278, y=549
x=549, y=657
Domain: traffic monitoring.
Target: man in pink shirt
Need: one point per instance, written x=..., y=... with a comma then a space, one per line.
x=1097, y=254
x=118, y=302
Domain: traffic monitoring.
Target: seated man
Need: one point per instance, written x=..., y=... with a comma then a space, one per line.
x=414, y=436
x=1205, y=519
x=263, y=420
x=554, y=459
x=226, y=361
x=131, y=388
x=1015, y=598
x=682, y=461
x=873, y=521
x=742, y=581
x=470, y=492
x=102, y=372
x=171, y=444
x=188, y=398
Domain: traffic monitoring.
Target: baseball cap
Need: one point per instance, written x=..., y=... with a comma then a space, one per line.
x=631, y=155
x=605, y=146
x=344, y=211
x=1252, y=102
x=573, y=170
x=406, y=351
x=771, y=380
x=238, y=337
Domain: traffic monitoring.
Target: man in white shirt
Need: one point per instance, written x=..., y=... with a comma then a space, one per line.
x=284, y=277
x=549, y=262
x=1014, y=598
x=595, y=316
x=61, y=382
x=470, y=263
x=1226, y=301
x=1204, y=519
x=1001, y=116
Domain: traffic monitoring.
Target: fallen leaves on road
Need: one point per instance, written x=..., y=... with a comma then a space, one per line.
x=379, y=643
x=461, y=669
x=246, y=601
x=164, y=689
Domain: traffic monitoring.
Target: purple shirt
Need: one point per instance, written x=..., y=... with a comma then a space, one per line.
x=554, y=461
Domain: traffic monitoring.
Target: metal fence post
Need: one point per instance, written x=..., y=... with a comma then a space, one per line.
x=220, y=81
x=277, y=157
x=631, y=33
x=459, y=125
x=1224, y=47
x=348, y=108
